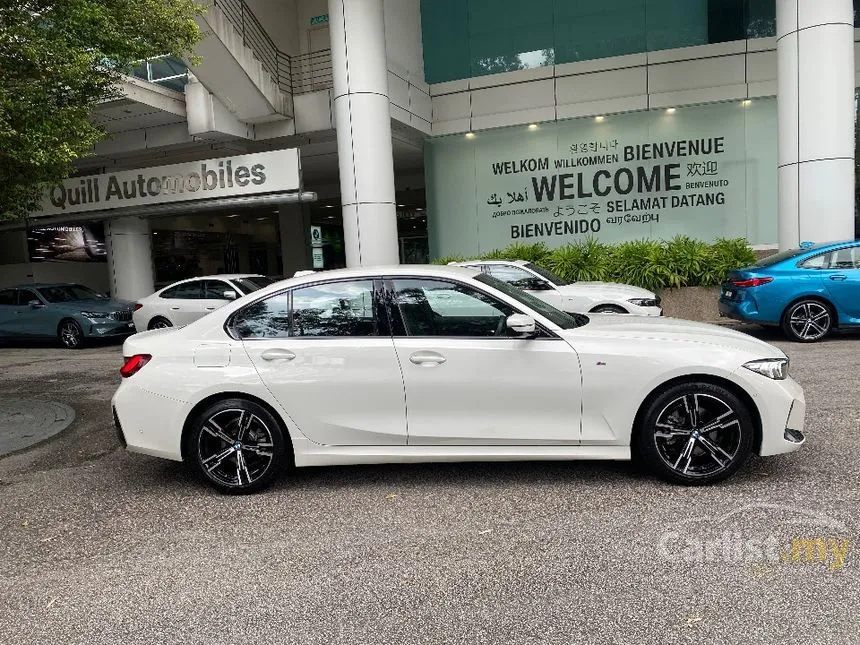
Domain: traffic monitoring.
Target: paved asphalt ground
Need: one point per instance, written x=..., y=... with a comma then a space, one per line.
x=100, y=546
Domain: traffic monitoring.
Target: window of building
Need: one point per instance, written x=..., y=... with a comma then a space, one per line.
x=466, y=38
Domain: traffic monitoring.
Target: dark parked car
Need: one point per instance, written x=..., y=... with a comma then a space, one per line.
x=70, y=313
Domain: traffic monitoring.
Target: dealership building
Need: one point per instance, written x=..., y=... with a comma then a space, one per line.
x=320, y=134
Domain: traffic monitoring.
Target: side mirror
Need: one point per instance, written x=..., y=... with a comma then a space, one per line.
x=230, y=295
x=35, y=304
x=521, y=325
x=535, y=284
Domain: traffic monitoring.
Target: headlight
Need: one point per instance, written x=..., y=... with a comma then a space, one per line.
x=94, y=314
x=775, y=368
x=644, y=302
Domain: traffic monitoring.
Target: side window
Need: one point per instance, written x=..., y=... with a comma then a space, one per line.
x=517, y=277
x=442, y=308
x=334, y=309
x=269, y=318
x=186, y=291
x=846, y=258
x=25, y=296
x=7, y=298
x=214, y=289
x=821, y=261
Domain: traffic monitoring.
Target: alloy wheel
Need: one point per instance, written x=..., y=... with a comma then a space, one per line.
x=809, y=320
x=698, y=435
x=235, y=448
x=70, y=334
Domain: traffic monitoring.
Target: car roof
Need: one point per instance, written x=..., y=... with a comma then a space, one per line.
x=474, y=262
x=43, y=285
x=217, y=276
x=394, y=271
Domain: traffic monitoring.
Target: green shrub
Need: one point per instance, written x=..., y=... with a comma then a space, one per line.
x=651, y=264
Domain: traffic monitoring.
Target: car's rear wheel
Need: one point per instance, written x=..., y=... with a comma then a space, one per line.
x=237, y=446
x=159, y=322
x=695, y=433
x=70, y=334
x=608, y=309
x=807, y=321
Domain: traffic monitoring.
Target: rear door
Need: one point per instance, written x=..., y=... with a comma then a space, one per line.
x=8, y=311
x=842, y=280
x=326, y=354
x=184, y=302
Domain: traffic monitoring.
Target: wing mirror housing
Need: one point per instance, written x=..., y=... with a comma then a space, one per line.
x=35, y=304
x=230, y=294
x=522, y=325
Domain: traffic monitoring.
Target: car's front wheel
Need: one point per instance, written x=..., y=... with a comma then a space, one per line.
x=807, y=321
x=237, y=446
x=695, y=433
x=71, y=335
x=608, y=309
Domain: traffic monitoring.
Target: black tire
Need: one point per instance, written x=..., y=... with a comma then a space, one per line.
x=807, y=321
x=159, y=322
x=608, y=309
x=70, y=334
x=677, y=446
x=214, y=437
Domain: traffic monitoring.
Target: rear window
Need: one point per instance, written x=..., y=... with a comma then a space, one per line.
x=776, y=258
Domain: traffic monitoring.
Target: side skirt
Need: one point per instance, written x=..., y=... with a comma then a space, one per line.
x=308, y=453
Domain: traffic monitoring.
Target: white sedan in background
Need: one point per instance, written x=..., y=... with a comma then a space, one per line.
x=377, y=365
x=184, y=302
x=577, y=297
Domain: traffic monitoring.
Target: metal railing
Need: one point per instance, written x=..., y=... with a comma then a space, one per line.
x=278, y=64
x=311, y=72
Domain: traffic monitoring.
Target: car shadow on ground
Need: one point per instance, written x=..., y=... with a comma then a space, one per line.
x=771, y=334
x=52, y=343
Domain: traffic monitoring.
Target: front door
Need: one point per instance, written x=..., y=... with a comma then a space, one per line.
x=34, y=320
x=184, y=302
x=842, y=280
x=468, y=382
x=328, y=358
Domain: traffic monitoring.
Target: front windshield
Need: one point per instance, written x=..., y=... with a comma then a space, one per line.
x=252, y=283
x=560, y=318
x=69, y=293
x=548, y=275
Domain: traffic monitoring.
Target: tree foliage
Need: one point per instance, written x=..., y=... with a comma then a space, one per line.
x=58, y=60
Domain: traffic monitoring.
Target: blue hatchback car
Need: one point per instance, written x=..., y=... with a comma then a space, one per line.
x=807, y=291
x=70, y=313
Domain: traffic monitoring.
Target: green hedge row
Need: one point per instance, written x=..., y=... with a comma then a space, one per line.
x=652, y=264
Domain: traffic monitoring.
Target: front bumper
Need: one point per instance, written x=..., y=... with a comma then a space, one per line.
x=781, y=406
x=106, y=328
x=644, y=311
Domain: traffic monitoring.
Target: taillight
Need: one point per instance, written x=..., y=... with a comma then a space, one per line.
x=751, y=282
x=134, y=364
x=137, y=306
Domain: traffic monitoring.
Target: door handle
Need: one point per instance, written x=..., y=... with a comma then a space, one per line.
x=174, y=309
x=838, y=277
x=427, y=358
x=211, y=308
x=277, y=355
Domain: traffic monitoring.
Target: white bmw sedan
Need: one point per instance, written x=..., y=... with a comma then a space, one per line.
x=576, y=297
x=422, y=363
x=185, y=301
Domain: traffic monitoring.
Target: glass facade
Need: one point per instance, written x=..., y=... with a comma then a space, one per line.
x=466, y=38
x=706, y=171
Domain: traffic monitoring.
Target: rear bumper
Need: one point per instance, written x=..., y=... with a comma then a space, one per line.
x=149, y=423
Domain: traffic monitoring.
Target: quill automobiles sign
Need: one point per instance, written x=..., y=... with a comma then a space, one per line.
x=264, y=172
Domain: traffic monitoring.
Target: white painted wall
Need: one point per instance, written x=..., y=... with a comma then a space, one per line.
x=403, y=38
x=280, y=19
x=307, y=9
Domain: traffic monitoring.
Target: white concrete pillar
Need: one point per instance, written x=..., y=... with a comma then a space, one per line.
x=129, y=256
x=363, y=123
x=815, y=63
